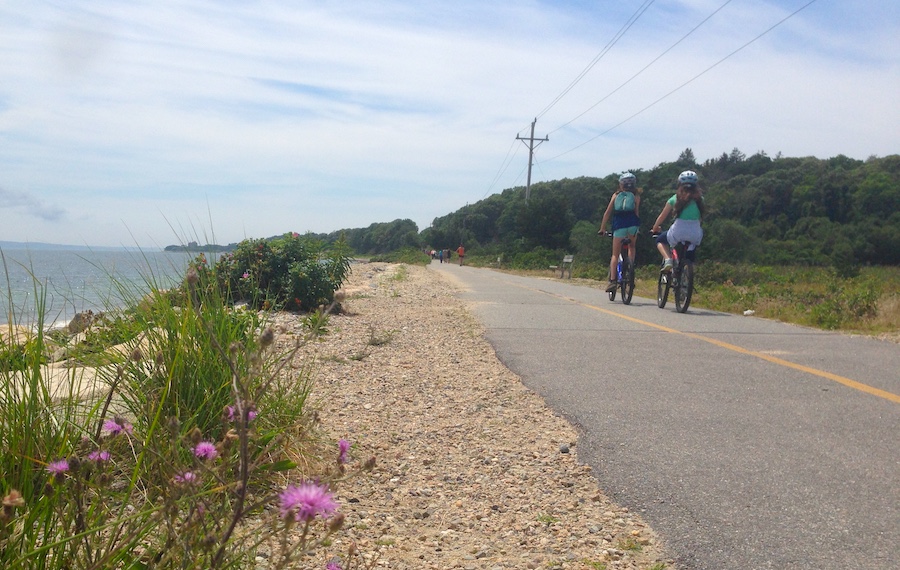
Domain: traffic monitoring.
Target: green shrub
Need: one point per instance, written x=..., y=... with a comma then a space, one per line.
x=408, y=255
x=538, y=258
x=292, y=272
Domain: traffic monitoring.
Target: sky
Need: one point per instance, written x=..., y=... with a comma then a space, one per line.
x=148, y=123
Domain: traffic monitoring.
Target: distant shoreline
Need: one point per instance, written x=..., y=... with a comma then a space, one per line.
x=41, y=246
x=193, y=248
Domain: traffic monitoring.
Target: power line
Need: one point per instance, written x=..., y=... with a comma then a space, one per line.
x=625, y=27
x=630, y=79
x=691, y=80
x=503, y=166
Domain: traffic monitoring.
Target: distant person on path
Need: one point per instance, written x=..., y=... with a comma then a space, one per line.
x=441, y=255
x=461, y=252
x=624, y=207
x=688, y=206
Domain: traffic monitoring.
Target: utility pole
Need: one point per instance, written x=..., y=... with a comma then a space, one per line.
x=531, y=146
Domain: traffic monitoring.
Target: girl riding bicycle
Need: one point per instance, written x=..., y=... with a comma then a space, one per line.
x=624, y=207
x=687, y=203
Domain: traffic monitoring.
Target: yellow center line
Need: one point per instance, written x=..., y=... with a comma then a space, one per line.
x=773, y=359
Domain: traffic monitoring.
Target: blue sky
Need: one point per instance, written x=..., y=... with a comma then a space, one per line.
x=157, y=122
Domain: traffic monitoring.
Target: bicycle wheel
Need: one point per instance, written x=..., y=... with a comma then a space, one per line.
x=685, y=288
x=627, y=283
x=662, y=289
x=611, y=295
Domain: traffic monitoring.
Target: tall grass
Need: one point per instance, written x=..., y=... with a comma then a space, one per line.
x=180, y=458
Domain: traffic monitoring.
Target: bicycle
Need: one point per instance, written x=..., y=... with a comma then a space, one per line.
x=681, y=278
x=624, y=273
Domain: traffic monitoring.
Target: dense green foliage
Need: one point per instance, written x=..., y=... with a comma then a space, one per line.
x=838, y=212
x=380, y=238
x=292, y=272
x=408, y=255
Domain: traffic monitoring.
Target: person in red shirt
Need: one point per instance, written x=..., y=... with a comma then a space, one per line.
x=461, y=252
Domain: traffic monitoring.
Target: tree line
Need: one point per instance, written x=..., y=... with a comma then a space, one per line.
x=762, y=210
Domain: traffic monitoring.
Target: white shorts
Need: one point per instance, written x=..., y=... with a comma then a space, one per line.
x=685, y=230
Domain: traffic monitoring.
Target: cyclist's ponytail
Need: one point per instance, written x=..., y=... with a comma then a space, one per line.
x=683, y=197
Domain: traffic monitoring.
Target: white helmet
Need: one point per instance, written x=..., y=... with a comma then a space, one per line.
x=687, y=177
x=628, y=180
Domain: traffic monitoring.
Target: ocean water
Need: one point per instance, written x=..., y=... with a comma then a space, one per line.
x=76, y=280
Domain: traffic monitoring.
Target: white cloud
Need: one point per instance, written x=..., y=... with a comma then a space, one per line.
x=299, y=116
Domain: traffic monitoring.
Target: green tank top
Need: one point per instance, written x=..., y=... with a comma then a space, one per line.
x=690, y=212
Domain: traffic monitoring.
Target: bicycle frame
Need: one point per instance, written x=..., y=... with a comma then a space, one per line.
x=624, y=273
x=681, y=278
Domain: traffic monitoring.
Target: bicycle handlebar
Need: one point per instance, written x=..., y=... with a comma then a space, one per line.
x=610, y=234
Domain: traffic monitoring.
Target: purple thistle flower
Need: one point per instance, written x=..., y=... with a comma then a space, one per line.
x=332, y=566
x=118, y=426
x=186, y=478
x=231, y=414
x=58, y=467
x=306, y=501
x=205, y=450
x=98, y=456
x=343, y=448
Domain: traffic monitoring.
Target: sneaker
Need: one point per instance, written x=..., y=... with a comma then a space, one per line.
x=667, y=265
x=611, y=287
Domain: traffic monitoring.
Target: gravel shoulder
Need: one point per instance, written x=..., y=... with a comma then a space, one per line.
x=474, y=471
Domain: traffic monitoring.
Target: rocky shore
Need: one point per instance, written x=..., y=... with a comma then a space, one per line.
x=473, y=471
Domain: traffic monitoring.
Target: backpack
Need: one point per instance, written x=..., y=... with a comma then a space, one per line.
x=624, y=202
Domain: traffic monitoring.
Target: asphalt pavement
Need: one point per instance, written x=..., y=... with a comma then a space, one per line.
x=744, y=442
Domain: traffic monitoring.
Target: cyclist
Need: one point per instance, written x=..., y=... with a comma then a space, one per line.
x=687, y=204
x=624, y=207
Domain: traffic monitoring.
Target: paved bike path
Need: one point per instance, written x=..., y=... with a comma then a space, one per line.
x=745, y=443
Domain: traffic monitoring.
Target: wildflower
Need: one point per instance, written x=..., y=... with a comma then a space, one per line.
x=118, y=426
x=98, y=456
x=58, y=467
x=303, y=503
x=195, y=435
x=246, y=275
x=332, y=566
x=186, y=478
x=232, y=416
x=205, y=450
x=343, y=448
x=11, y=502
x=337, y=521
x=267, y=338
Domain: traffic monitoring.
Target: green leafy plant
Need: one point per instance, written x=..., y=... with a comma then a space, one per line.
x=182, y=461
x=547, y=519
x=317, y=322
x=292, y=272
x=629, y=543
